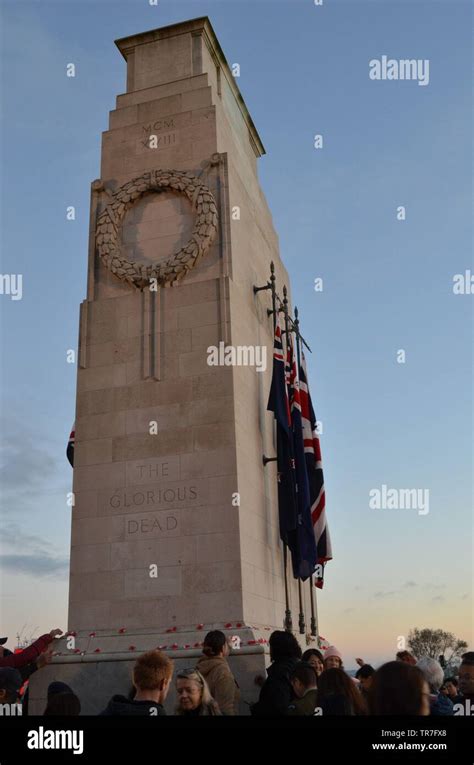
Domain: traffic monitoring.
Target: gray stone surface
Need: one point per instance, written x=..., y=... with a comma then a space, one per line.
x=166, y=499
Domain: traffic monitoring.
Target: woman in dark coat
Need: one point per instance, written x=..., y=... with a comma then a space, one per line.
x=277, y=692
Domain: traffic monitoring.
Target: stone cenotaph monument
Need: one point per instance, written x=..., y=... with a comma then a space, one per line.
x=175, y=517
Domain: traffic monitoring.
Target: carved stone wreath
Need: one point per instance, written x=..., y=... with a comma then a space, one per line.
x=172, y=269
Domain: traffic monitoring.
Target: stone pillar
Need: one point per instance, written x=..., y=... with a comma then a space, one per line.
x=175, y=522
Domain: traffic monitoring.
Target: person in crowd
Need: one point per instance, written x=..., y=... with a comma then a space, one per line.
x=365, y=675
x=315, y=658
x=151, y=679
x=215, y=669
x=57, y=687
x=399, y=688
x=27, y=670
x=276, y=693
x=63, y=704
x=34, y=661
x=466, y=678
x=332, y=658
x=69, y=704
x=304, y=681
x=450, y=688
x=10, y=684
x=30, y=656
x=434, y=675
x=194, y=696
x=338, y=694
x=406, y=657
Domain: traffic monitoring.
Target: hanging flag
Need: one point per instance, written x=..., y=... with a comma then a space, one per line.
x=305, y=563
x=278, y=403
x=70, y=447
x=314, y=471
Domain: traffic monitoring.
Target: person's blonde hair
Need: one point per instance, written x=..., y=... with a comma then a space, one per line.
x=151, y=669
x=208, y=704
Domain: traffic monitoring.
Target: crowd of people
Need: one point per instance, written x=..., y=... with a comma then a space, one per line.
x=297, y=684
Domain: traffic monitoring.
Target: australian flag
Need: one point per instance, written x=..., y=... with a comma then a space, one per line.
x=314, y=472
x=305, y=563
x=70, y=447
x=279, y=404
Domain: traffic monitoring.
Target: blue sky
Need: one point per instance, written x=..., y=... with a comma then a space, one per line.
x=388, y=284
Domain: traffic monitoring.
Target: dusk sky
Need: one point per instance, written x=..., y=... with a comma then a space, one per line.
x=387, y=283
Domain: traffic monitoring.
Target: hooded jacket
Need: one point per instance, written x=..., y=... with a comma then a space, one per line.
x=221, y=682
x=306, y=705
x=120, y=706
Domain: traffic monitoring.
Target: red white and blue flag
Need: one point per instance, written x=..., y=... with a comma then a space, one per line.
x=294, y=509
x=314, y=470
x=279, y=404
x=305, y=563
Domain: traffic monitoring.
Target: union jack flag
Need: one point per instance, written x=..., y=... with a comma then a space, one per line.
x=314, y=470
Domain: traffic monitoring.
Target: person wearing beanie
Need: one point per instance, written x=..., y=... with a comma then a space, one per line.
x=332, y=658
x=215, y=669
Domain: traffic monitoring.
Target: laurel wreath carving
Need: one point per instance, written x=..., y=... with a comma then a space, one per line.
x=174, y=268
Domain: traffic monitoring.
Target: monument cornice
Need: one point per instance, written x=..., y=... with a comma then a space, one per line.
x=200, y=26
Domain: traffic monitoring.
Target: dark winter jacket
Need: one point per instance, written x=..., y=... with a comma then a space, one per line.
x=120, y=706
x=306, y=705
x=441, y=705
x=276, y=693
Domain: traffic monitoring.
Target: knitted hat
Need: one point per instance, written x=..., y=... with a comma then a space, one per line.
x=332, y=651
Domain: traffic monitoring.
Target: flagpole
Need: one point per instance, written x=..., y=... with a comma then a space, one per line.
x=301, y=622
x=288, y=623
x=314, y=631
